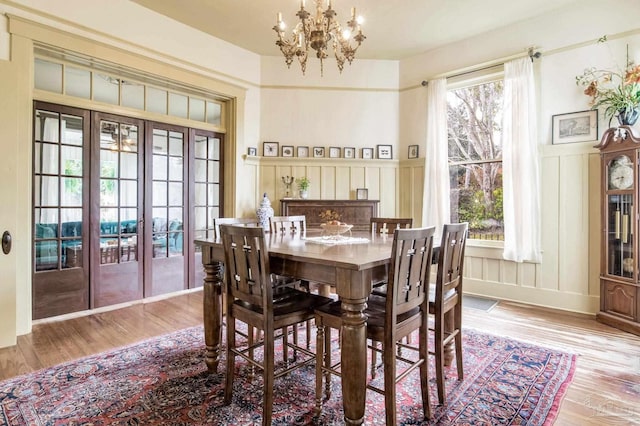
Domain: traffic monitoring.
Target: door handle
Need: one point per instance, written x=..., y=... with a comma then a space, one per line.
x=6, y=242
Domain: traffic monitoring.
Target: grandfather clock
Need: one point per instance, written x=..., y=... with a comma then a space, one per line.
x=619, y=273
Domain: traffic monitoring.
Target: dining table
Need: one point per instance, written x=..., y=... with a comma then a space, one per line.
x=349, y=263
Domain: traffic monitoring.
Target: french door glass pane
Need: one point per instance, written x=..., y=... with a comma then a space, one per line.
x=159, y=194
x=159, y=167
x=47, y=160
x=108, y=164
x=72, y=130
x=175, y=168
x=128, y=165
x=47, y=191
x=128, y=193
x=71, y=192
x=71, y=160
x=175, y=193
x=108, y=192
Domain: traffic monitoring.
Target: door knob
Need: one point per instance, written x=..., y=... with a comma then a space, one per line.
x=6, y=242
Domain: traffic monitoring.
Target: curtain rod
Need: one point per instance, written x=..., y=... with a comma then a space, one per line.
x=485, y=65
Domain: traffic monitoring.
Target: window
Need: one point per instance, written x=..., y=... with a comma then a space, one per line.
x=474, y=120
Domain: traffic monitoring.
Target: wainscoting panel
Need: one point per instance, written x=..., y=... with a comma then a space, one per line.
x=331, y=179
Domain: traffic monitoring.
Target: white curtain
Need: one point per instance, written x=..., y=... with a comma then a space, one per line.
x=521, y=164
x=436, y=204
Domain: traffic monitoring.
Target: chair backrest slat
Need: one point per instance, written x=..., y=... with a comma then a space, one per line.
x=389, y=224
x=409, y=271
x=288, y=224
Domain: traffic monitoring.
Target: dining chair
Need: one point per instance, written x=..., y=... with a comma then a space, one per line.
x=290, y=225
x=445, y=298
x=389, y=320
x=250, y=299
x=279, y=282
x=385, y=226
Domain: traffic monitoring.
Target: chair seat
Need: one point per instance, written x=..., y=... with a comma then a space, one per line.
x=288, y=301
x=332, y=316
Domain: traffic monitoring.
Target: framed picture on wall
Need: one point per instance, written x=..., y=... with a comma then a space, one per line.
x=384, y=152
x=367, y=153
x=349, y=153
x=270, y=149
x=334, y=152
x=413, y=151
x=318, y=151
x=287, y=151
x=252, y=151
x=303, y=151
x=362, y=194
x=579, y=126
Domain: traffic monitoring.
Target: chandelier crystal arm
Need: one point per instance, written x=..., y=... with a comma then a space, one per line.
x=319, y=33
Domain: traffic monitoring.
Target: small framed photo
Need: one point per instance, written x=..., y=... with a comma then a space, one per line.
x=579, y=126
x=287, y=151
x=252, y=151
x=318, y=151
x=303, y=151
x=362, y=194
x=270, y=149
x=334, y=152
x=367, y=153
x=349, y=152
x=384, y=152
x=413, y=151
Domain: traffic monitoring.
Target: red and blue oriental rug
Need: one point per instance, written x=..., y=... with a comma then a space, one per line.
x=163, y=381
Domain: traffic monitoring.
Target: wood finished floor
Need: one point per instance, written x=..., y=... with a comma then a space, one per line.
x=605, y=389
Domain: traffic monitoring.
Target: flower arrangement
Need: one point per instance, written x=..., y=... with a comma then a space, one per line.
x=616, y=90
x=303, y=183
x=330, y=216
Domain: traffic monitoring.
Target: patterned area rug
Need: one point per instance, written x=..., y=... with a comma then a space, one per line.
x=163, y=381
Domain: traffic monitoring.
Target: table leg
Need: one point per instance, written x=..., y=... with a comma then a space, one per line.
x=212, y=314
x=353, y=355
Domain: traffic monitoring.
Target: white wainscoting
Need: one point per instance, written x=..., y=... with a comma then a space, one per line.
x=568, y=277
x=331, y=179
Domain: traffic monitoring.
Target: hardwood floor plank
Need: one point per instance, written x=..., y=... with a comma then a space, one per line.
x=605, y=389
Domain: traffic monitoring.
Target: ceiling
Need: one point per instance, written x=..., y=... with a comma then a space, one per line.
x=392, y=32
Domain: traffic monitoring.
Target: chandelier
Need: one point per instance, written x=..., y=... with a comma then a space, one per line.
x=319, y=33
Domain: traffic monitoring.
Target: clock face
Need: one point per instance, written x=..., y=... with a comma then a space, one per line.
x=621, y=173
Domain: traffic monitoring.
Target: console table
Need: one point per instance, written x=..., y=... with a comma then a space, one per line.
x=354, y=212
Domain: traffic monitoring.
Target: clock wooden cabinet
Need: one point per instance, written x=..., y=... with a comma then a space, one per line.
x=620, y=189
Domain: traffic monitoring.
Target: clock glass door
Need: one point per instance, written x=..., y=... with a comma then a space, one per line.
x=620, y=235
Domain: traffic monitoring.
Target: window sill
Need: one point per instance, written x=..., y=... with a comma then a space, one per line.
x=485, y=243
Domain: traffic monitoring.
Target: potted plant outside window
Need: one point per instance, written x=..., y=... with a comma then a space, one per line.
x=303, y=187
